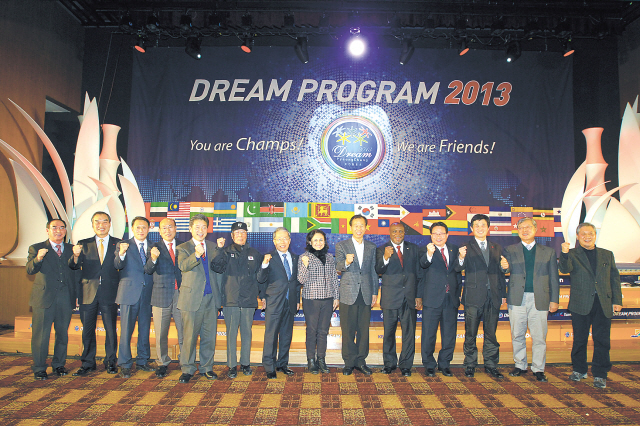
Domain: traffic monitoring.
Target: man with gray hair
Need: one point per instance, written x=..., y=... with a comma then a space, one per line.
x=533, y=291
x=280, y=294
x=595, y=295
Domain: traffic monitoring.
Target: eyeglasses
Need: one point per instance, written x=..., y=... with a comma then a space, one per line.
x=525, y=228
x=439, y=234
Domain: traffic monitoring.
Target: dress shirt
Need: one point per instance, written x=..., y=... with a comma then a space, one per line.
x=529, y=246
x=386, y=262
x=359, y=250
x=54, y=245
x=173, y=247
x=105, y=243
x=281, y=253
x=446, y=254
x=198, y=243
x=137, y=247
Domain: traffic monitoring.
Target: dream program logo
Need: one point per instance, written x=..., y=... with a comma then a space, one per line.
x=352, y=146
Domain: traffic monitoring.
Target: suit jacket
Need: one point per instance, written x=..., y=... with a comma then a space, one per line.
x=356, y=277
x=432, y=288
x=546, y=287
x=399, y=282
x=165, y=274
x=52, y=276
x=477, y=272
x=132, y=276
x=584, y=283
x=194, y=278
x=274, y=282
x=95, y=274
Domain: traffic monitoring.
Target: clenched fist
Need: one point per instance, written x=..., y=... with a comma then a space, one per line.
x=350, y=257
x=199, y=250
x=305, y=261
x=504, y=263
x=565, y=247
x=41, y=254
x=123, y=248
x=155, y=254
x=221, y=242
x=431, y=248
x=462, y=252
x=77, y=249
x=388, y=251
x=266, y=260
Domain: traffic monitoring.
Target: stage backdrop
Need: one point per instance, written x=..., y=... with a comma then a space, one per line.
x=263, y=138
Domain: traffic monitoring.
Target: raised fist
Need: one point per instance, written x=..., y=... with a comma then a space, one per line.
x=199, y=250
x=462, y=252
x=388, y=251
x=77, y=249
x=123, y=248
x=155, y=254
x=267, y=259
x=504, y=264
x=305, y=261
x=221, y=241
x=431, y=248
x=350, y=258
x=565, y=247
x=41, y=254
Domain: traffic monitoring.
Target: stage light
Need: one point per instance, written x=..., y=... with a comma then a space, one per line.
x=193, y=47
x=153, y=24
x=513, y=51
x=301, y=50
x=567, y=48
x=185, y=23
x=126, y=23
x=247, y=45
x=356, y=45
x=407, y=50
x=463, y=47
x=140, y=45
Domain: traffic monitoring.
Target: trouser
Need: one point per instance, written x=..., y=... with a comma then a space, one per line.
x=317, y=316
x=58, y=315
x=491, y=348
x=354, y=321
x=89, y=318
x=129, y=314
x=242, y=318
x=601, y=334
x=203, y=323
x=446, y=315
x=278, y=330
x=407, y=316
x=521, y=317
x=162, y=322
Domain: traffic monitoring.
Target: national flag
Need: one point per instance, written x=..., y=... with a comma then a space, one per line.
x=370, y=211
x=335, y=225
x=372, y=227
x=253, y=223
x=270, y=224
x=221, y=224
x=247, y=209
x=557, y=211
x=314, y=223
x=182, y=224
x=542, y=213
x=271, y=209
x=295, y=225
x=179, y=210
x=343, y=225
x=341, y=210
x=546, y=227
x=461, y=212
x=521, y=211
x=225, y=209
x=154, y=226
x=201, y=208
x=499, y=228
x=434, y=214
x=384, y=223
x=295, y=209
x=498, y=212
x=391, y=211
x=319, y=210
x=413, y=223
x=456, y=227
x=158, y=209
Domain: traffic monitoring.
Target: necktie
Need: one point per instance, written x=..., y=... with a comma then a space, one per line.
x=446, y=265
x=58, y=250
x=287, y=269
x=400, y=256
x=205, y=250
x=173, y=259
x=483, y=245
x=143, y=257
x=101, y=251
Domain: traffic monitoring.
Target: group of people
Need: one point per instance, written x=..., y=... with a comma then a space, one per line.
x=191, y=281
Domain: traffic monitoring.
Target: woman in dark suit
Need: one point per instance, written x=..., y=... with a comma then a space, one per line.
x=319, y=279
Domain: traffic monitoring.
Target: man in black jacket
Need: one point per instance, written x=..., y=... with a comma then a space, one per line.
x=239, y=265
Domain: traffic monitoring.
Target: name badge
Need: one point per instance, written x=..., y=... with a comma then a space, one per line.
x=250, y=257
x=233, y=255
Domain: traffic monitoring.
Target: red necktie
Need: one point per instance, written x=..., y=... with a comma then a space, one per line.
x=58, y=250
x=173, y=259
x=400, y=256
x=446, y=265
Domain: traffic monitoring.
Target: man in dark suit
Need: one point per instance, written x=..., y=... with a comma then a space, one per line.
x=164, y=297
x=280, y=293
x=595, y=295
x=484, y=292
x=199, y=302
x=53, y=297
x=533, y=292
x=356, y=262
x=439, y=295
x=134, y=297
x=398, y=263
x=98, y=288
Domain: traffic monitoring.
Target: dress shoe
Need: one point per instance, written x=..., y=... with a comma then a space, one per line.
x=246, y=370
x=517, y=372
x=83, y=371
x=161, y=371
x=540, y=376
x=430, y=372
x=322, y=365
x=60, y=371
x=406, y=372
x=600, y=382
x=40, y=375
x=185, y=377
x=312, y=366
x=347, y=371
x=111, y=369
x=271, y=375
x=286, y=370
x=232, y=373
x=210, y=375
x=145, y=367
x=125, y=372
x=470, y=371
x=493, y=372
x=364, y=369
x=387, y=370
x=446, y=371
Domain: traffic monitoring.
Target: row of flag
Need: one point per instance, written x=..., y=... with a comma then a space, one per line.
x=334, y=217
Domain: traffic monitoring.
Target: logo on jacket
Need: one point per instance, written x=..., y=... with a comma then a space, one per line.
x=352, y=146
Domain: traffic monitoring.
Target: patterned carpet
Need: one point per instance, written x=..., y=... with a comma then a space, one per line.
x=329, y=399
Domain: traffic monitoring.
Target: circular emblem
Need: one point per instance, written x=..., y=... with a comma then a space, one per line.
x=352, y=146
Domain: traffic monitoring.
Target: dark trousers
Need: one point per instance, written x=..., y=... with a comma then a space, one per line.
x=446, y=315
x=89, y=318
x=407, y=316
x=58, y=315
x=354, y=321
x=491, y=348
x=129, y=314
x=600, y=332
x=317, y=316
x=278, y=330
